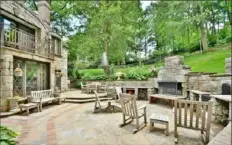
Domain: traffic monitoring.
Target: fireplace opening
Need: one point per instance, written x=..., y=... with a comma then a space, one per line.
x=170, y=87
x=130, y=91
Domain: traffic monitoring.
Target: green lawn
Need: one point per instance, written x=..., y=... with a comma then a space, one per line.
x=206, y=62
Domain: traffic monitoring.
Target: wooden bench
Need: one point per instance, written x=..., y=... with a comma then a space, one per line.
x=44, y=96
x=197, y=92
x=171, y=98
x=185, y=117
x=160, y=119
x=29, y=106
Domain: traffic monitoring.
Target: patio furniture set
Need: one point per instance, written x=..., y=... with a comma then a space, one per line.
x=190, y=114
x=93, y=86
x=185, y=115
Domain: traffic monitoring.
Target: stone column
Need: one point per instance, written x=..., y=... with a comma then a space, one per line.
x=6, y=88
x=52, y=76
x=228, y=65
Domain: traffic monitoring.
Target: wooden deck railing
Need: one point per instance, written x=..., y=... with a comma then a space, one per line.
x=22, y=40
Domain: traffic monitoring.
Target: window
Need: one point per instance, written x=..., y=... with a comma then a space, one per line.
x=56, y=45
x=9, y=24
x=17, y=35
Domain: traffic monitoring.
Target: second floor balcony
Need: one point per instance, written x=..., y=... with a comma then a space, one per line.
x=15, y=38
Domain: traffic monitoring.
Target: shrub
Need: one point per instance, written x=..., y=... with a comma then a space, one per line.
x=212, y=39
x=7, y=136
x=139, y=73
x=112, y=77
x=93, y=77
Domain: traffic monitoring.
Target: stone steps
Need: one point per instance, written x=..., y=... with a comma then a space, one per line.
x=86, y=97
x=75, y=100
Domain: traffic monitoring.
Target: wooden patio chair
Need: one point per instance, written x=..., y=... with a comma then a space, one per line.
x=83, y=88
x=91, y=87
x=119, y=93
x=102, y=87
x=185, y=117
x=130, y=110
x=110, y=107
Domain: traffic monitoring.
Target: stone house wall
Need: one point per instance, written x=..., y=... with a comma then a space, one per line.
x=40, y=22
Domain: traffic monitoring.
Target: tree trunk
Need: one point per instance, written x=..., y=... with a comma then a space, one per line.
x=145, y=46
x=228, y=11
x=106, y=45
x=123, y=61
x=213, y=21
x=188, y=30
x=204, y=37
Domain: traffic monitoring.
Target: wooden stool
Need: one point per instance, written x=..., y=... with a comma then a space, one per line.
x=28, y=106
x=161, y=119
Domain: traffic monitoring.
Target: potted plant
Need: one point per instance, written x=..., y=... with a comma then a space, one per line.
x=119, y=74
x=18, y=72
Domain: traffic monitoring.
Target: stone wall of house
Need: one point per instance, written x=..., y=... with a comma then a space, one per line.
x=64, y=69
x=22, y=12
x=40, y=21
x=61, y=63
x=6, y=80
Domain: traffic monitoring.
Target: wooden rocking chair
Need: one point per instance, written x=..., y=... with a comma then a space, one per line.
x=200, y=121
x=129, y=108
x=110, y=107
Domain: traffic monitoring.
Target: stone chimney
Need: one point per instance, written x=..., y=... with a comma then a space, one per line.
x=44, y=10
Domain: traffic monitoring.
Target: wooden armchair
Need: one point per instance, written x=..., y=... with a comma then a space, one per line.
x=186, y=117
x=130, y=110
x=83, y=88
x=91, y=87
x=102, y=87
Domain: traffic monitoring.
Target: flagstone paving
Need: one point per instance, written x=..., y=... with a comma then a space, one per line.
x=75, y=124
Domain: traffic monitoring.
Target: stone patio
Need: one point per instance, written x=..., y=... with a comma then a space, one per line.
x=68, y=124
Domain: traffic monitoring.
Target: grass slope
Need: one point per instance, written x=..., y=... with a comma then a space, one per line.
x=207, y=62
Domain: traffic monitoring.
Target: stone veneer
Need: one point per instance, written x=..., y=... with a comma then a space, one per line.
x=40, y=22
x=174, y=70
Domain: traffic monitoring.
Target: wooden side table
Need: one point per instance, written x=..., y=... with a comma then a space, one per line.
x=29, y=106
x=160, y=119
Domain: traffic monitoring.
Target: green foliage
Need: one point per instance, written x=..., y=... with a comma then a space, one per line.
x=123, y=30
x=92, y=77
x=92, y=74
x=139, y=73
x=112, y=77
x=7, y=136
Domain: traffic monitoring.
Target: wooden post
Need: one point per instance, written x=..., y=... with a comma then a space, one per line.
x=24, y=79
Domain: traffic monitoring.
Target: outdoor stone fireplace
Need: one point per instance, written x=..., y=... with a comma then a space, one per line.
x=170, y=87
x=171, y=77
